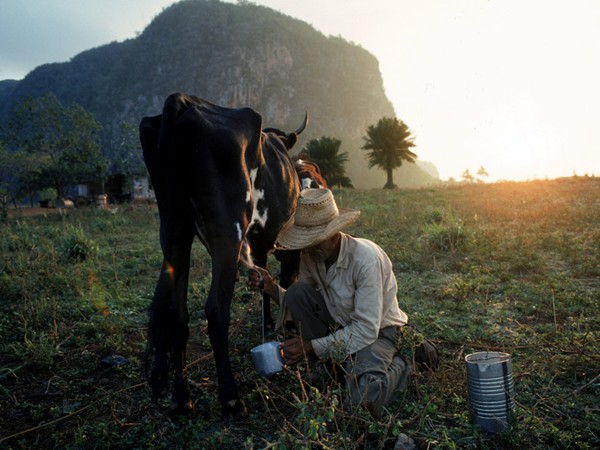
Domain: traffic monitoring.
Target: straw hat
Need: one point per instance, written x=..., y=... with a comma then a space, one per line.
x=316, y=219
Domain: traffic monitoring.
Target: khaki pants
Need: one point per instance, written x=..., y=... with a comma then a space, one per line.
x=374, y=375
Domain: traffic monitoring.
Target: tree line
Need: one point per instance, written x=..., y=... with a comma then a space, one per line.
x=48, y=145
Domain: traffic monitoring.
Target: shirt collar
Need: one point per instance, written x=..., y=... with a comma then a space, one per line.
x=343, y=260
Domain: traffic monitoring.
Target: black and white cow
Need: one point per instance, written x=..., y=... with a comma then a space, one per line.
x=309, y=174
x=217, y=176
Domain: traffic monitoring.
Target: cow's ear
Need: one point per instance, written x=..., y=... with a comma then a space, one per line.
x=290, y=140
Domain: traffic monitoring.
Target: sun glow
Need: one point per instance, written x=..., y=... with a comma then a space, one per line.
x=169, y=271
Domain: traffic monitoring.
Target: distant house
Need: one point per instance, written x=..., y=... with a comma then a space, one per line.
x=142, y=189
x=118, y=189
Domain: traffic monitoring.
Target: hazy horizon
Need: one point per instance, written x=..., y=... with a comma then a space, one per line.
x=504, y=84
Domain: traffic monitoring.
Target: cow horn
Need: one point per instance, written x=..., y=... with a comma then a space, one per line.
x=303, y=126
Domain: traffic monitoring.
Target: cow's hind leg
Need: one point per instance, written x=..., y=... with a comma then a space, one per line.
x=168, y=328
x=158, y=347
x=218, y=307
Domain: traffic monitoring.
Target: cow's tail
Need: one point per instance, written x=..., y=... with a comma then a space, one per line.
x=160, y=155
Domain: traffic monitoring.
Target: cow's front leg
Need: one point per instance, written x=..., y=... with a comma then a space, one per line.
x=218, y=308
x=267, y=322
x=290, y=263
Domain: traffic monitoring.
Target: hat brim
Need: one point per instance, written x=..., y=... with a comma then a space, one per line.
x=293, y=237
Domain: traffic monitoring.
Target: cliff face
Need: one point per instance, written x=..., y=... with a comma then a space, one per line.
x=232, y=55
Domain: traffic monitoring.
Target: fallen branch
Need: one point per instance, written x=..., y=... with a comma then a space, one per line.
x=592, y=381
x=482, y=346
x=74, y=413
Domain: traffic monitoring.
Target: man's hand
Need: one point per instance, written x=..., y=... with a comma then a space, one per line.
x=255, y=280
x=296, y=349
x=260, y=279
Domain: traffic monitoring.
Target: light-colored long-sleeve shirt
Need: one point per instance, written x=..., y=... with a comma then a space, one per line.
x=359, y=290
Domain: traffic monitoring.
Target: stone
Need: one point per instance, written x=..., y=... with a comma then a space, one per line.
x=405, y=443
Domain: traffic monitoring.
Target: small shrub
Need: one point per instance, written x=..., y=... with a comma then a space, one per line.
x=444, y=233
x=42, y=348
x=76, y=246
x=435, y=215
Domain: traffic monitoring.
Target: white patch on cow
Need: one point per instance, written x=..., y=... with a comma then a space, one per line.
x=257, y=195
x=306, y=182
x=239, y=231
x=253, y=173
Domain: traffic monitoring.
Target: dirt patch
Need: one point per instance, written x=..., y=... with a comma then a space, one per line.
x=28, y=212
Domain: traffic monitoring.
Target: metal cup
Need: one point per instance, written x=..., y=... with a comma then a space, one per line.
x=267, y=358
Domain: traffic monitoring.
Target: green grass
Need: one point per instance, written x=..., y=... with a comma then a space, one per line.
x=504, y=266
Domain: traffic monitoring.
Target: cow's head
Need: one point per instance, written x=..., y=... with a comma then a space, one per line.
x=288, y=139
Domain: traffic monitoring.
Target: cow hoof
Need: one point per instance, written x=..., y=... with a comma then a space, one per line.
x=234, y=410
x=158, y=381
x=182, y=409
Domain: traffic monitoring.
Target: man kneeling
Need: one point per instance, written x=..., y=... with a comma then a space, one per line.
x=344, y=303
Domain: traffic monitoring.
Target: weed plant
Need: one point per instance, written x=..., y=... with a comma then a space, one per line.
x=506, y=266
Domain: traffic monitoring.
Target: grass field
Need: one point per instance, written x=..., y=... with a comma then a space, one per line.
x=513, y=267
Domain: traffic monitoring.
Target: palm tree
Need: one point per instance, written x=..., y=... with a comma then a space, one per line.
x=467, y=177
x=482, y=173
x=389, y=143
x=325, y=152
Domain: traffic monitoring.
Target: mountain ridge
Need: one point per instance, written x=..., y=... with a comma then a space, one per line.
x=234, y=55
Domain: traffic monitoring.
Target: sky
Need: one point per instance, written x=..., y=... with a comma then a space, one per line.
x=512, y=86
